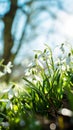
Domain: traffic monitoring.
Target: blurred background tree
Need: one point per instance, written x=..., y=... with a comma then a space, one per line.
x=21, y=21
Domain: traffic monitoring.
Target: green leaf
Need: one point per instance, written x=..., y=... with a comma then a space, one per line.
x=32, y=86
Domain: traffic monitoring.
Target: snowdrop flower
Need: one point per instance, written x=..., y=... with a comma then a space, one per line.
x=8, y=67
x=5, y=124
x=1, y=74
x=63, y=67
x=10, y=94
x=32, y=65
x=40, y=64
x=22, y=123
x=9, y=105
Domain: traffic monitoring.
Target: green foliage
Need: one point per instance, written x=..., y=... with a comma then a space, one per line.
x=14, y=108
x=14, y=112
x=46, y=80
x=47, y=77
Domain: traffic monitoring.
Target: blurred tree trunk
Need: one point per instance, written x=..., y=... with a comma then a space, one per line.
x=8, y=41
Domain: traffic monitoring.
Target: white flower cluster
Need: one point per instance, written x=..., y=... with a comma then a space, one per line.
x=7, y=69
